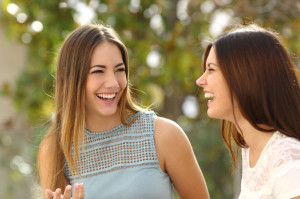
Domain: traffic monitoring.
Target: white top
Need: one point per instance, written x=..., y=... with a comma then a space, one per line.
x=276, y=174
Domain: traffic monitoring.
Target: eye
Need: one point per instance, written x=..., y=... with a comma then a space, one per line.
x=210, y=69
x=121, y=70
x=97, y=71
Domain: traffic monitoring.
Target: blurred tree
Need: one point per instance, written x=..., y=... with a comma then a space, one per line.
x=165, y=40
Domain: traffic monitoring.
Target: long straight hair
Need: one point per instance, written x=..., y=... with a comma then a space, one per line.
x=68, y=125
x=262, y=79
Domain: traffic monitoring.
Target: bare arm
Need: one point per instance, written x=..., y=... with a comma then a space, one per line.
x=176, y=157
x=46, y=163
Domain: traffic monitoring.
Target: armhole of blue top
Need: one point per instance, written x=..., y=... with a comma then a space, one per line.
x=153, y=118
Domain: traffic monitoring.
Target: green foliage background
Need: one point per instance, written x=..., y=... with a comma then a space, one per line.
x=180, y=44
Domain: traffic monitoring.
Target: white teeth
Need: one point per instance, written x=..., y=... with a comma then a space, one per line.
x=107, y=96
x=209, y=95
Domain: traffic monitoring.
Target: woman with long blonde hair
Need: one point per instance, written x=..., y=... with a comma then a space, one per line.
x=101, y=144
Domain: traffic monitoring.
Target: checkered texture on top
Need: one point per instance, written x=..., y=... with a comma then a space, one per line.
x=125, y=146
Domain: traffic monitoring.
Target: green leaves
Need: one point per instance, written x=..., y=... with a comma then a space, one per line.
x=177, y=40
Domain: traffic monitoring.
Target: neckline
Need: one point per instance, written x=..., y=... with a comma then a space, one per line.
x=276, y=133
x=113, y=129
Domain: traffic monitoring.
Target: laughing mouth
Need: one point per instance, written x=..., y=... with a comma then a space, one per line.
x=209, y=96
x=107, y=97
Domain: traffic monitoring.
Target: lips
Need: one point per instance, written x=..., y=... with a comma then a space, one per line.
x=107, y=96
x=209, y=96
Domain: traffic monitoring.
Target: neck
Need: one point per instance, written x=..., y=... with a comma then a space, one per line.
x=102, y=123
x=255, y=139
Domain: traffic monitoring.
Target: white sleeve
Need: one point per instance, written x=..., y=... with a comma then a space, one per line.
x=288, y=185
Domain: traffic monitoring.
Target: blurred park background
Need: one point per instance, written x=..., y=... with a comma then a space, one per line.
x=165, y=40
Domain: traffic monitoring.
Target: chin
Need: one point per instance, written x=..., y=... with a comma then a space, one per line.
x=211, y=114
x=109, y=112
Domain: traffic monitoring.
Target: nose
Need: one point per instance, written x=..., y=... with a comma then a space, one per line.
x=111, y=81
x=201, y=81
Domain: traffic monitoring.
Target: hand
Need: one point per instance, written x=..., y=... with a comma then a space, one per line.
x=79, y=193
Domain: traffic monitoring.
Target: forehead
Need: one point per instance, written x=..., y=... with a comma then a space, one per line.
x=105, y=46
x=106, y=51
x=212, y=57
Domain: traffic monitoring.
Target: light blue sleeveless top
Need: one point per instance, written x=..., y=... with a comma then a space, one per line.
x=121, y=163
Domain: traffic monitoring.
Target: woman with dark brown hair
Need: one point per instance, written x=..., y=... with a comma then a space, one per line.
x=101, y=144
x=253, y=87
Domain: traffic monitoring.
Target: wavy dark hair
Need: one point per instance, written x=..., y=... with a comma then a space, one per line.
x=261, y=78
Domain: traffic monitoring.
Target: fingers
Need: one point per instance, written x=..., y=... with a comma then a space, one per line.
x=49, y=194
x=68, y=192
x=82, y=191
x=79, y=191
x=57, y=194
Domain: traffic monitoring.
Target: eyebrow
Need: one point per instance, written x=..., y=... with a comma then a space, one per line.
x=103, y=66
x=212, y=64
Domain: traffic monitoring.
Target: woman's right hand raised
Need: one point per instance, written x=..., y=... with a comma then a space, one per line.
x=79, y=192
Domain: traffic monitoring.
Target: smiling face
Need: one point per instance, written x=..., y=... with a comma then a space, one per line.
x=216, y=89
x=106, y=82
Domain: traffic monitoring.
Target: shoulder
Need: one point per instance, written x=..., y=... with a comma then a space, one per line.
x=162, y=125
x=162, y=122
x=44, y=145
x=45, y=153
x=278, y=165
x=170, y=138
x=283, y=144
x=44, y=158
x=284, y=151
x=168, y=129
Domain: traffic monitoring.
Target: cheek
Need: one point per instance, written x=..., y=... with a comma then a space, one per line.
x=122, y=81
x=226, y=98
x=90, y=84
